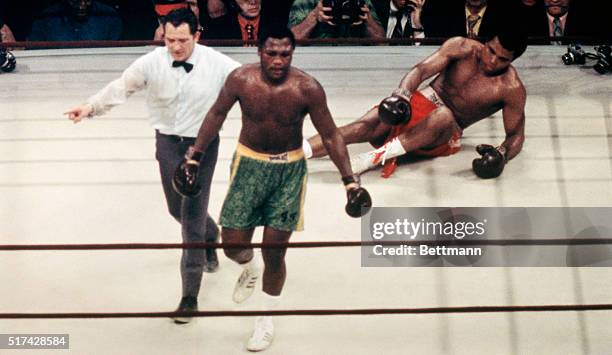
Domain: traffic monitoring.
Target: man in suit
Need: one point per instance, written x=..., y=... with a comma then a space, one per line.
x=469, y=18
x=77, y=20
x=243, y=20
x=401, y=18
x=561, y=18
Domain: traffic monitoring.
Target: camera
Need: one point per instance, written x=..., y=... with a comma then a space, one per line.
x=344, y=11
x=575, y=55
x=604, y=59
x=7, y=60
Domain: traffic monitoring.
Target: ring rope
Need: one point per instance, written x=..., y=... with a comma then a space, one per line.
x=304, y=42
x=330, y=244
x=319, y=312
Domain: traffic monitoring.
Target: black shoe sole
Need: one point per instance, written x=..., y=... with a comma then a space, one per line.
x=181, y=320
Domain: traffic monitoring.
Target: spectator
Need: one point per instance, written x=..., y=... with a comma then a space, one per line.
x=208, y=10
x=138, y=18
x=19, y=15
x=163, y=7
x=309, y=19
x=242, y=21
x=469, y=18
x=194, y=7
x=401, y=18
x=530, y=12
x=6, y=35
x=215, y=8
x=276, y=11
x=562, y=18
x=77, y=20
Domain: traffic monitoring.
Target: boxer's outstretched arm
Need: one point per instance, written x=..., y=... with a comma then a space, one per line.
x=218, y=112
x=453, y=49
x=514, y=119
x=329, y=132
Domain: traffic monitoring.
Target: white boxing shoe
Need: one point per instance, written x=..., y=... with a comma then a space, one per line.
x=369, y=160
x=263, y=334
x=245, y=285
x=366, y=161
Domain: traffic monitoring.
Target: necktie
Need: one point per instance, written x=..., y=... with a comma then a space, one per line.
x=557, y=30
x=397, y=30
x=185, y=65
x=472, y=20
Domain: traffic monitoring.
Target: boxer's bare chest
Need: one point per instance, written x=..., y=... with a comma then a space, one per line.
x=281, y=104
x=468, y=92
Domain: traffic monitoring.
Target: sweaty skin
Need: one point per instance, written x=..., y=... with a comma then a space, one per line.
x=473, y=79
x=476, y=82
x=272, y=116
x=274, y=98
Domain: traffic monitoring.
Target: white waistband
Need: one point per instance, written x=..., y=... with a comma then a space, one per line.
x=432, y=96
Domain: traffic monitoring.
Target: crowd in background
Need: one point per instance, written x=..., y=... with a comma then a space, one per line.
x=70, y=20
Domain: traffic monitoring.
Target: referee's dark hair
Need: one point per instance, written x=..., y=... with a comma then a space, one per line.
x=183, y=15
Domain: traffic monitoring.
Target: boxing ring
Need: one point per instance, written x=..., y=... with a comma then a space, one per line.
x=97, y=182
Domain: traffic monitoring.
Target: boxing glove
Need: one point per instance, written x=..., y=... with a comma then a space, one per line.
x=358, y=200
x=492, y=162
x=394, y=110
x=185, y=180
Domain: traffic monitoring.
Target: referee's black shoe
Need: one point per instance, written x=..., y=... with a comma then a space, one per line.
x=188, y=304
x=212, y=262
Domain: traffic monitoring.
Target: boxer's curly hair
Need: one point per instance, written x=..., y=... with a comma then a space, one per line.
x=512, y=38
x=275, y=30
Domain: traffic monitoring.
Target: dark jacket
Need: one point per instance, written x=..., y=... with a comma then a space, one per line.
x=446, y=18
x=578, y=23
x=56, y=24
x=224, y=27
x=383, y=9
x=228, y=27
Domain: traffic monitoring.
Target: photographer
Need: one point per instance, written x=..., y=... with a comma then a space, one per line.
x=347, y=18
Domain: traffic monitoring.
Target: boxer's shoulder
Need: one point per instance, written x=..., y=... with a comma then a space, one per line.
x=246, y=70
x=458, y=47
x=512, y=84
x=243, y=76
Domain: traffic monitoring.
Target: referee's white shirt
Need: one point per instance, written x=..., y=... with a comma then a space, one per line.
x=177, y=101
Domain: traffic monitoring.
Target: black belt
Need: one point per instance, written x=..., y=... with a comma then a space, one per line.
x=176, y=138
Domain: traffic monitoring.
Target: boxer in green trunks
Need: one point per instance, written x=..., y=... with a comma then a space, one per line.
x=265, y=190
x=269, y=169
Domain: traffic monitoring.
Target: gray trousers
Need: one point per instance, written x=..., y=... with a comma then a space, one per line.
x=191, y=213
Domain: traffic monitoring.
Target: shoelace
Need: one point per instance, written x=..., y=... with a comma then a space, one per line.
x=249, y=279
x=388, y=169
x=378, y=155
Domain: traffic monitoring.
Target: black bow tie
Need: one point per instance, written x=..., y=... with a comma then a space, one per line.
x=187, y=66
